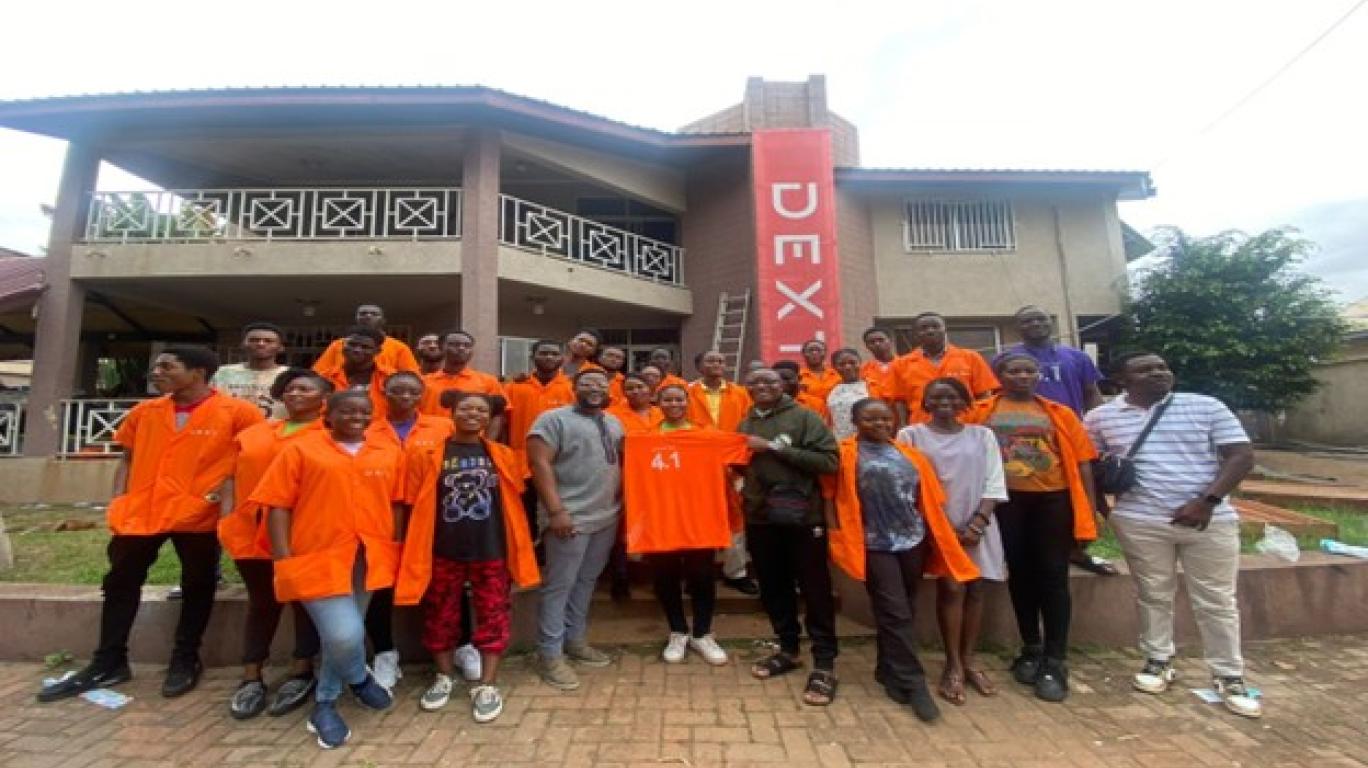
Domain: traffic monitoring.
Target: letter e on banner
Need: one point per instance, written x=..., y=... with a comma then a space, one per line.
x=797, y=267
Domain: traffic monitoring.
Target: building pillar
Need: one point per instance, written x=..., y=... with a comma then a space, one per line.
x=57, y=338
x=480, y=246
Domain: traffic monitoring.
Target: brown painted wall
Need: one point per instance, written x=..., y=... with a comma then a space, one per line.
x=859, y=276
x=719, y=238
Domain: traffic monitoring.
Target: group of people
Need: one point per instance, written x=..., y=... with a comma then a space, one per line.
x=380, y=478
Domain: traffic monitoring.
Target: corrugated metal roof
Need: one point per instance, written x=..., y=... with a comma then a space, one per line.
x=21, y=279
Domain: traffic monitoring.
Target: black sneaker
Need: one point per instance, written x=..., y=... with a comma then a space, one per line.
x=922, y=703
x=87, y=679
x=1053, y=682
x=743, y=584
x=292, y=694
x=1026, y=668
x=181, y=677
x=249, y=700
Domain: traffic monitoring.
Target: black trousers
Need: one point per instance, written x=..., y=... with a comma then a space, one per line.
x=892, y=580
x=263, y=615
x=694, y=566
x=380, y=620
x=130, y=557
x=789, y=559
x=1037, y=538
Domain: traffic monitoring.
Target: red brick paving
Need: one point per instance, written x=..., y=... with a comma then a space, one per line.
x=639, y=712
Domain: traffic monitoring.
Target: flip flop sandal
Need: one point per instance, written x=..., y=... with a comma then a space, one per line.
x=821, y=685
x=951, y=688
x=980, y=682
x=774, y=666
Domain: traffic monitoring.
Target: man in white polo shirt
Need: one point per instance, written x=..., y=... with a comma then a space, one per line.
x=1177, y=514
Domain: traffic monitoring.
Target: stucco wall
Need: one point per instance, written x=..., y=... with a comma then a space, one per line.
x=1335, y=413
x=557, y=274
x=307, y=258
x=656, y=184
x=981, y=284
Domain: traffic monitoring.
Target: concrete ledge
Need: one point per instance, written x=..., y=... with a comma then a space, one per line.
x=1320, y=595
x=56, y=481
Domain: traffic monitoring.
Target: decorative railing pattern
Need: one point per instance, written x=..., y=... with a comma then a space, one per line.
x=11, y=427
x=551, y=232
x=421, y=213
x=88, y=426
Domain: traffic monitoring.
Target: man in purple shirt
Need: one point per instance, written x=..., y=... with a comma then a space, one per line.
x=1067, y=376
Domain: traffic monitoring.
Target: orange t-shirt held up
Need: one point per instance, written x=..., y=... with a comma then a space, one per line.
x=674, y=488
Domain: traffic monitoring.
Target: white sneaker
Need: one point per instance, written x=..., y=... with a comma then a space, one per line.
x=1237, y=697
x=468, y=660
x=707, y=647
x=437, y=694
x=1155, y=677
x=486, y=703
x=675, y=648
x=385, y=667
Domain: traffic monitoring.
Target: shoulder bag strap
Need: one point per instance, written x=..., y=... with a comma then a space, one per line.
x=1149, y=426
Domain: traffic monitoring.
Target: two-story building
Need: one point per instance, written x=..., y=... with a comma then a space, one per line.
x=515, y=219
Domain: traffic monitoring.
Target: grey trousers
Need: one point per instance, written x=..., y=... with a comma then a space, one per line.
x=572, y=567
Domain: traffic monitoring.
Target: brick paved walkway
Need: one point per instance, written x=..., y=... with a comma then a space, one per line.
x=641, y=713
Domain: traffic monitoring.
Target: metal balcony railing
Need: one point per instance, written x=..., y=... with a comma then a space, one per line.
x=208, y=215
x=11, y=427
x=88, y=426
x=551, y=232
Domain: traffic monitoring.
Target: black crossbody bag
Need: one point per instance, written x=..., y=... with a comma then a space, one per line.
x=1115, y=474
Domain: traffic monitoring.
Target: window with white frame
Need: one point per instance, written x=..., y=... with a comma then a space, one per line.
x=985, y=225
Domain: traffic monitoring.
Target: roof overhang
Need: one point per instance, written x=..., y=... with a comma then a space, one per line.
x=21, y=282
x=1125, y=185
x=105, y=118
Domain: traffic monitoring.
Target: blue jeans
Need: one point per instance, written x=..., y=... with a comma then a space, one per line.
x=341, y=623
x=572, y=567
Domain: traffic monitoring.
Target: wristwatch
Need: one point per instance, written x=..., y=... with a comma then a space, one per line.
x=1213, y=499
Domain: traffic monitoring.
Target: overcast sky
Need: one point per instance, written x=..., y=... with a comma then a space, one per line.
x=1045, y=84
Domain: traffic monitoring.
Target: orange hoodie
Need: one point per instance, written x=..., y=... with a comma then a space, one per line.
x=1074, y=447
x=423, y=467
x=947, y=557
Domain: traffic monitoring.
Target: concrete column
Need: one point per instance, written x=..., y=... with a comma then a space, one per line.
x=58, y=334
x=480, y=246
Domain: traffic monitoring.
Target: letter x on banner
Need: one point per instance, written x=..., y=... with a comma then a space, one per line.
x=799, y=296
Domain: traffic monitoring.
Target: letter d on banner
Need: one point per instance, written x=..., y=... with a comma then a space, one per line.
x=799, y=292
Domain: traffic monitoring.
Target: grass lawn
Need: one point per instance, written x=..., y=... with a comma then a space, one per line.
x=74, y=557
x=78, y=557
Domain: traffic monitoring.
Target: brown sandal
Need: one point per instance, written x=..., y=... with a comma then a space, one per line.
x=951, y=687
x=980, y=682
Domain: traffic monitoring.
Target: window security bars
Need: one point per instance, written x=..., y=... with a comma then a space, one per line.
x=963, y=226
x=88, y=426
x=11, y=427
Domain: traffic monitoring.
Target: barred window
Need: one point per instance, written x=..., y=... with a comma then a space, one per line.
x=965, y=226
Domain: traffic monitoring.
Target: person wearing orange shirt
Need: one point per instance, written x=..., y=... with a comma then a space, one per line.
x=402, y=426
x=391, y=353
x=1047, y=459
x=178, y=453
x=428, y=350
x=694, y=565
x=793, y=387
x=816, y=377
x=465, y=524
x=581, y=351
x=456, y=374
x=333, y=498
x=242, y=532
x=935, y=358
x=878, y=369
x=635, y=410
x=360, y=369
x=614, y=361
x=888, y=526
x=721, y=404
x=653, y=376
x=663, y=359
x=530, y=396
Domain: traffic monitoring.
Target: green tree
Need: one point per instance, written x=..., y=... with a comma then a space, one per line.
x=1235, y=318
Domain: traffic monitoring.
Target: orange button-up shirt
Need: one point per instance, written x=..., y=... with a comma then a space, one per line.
x=376, y=391
x=393, y=354
x=913, y=371
x=528, y=399
x=468, y=380
x=243, y=532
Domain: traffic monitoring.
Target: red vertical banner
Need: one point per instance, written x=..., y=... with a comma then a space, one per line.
x=799, y=296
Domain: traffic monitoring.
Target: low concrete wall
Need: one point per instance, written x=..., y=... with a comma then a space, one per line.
x=54, y=481
x=1319, y=595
